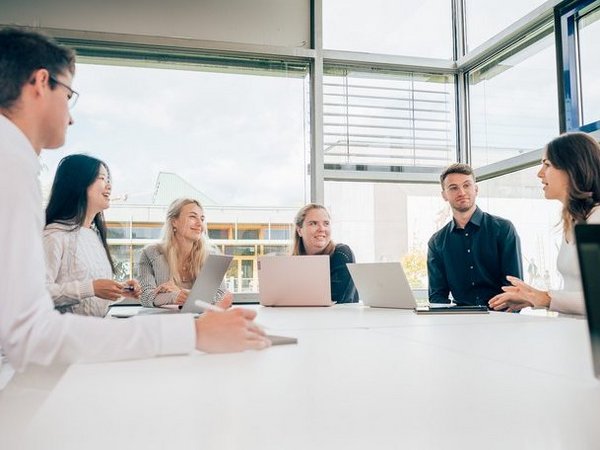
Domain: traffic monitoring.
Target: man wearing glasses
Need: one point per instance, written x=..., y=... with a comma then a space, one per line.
x=472, y=254
x=35, y=95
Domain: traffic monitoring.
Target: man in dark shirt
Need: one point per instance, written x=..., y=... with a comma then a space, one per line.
x=470, y=256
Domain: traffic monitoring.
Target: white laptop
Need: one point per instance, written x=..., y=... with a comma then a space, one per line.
x=382, y=285
x=294, y=281
x=205, y=287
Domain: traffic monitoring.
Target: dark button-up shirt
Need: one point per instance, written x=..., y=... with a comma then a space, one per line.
x=472, y=262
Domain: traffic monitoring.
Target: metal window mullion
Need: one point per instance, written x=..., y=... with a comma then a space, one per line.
x=463, y=138
x=317, y=173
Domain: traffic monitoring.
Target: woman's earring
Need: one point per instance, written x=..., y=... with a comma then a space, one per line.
x=174, y=230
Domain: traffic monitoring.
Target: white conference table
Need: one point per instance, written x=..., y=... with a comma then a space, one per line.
x=359, y=378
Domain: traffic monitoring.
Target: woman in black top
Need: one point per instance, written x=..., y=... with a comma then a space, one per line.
x=313, y=237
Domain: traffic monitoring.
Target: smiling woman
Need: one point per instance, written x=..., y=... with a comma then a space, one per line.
x=570, y=173
x=168, y=269
x=313, y=237
x=79, y=265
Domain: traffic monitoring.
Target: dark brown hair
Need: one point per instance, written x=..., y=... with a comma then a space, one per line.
x=461, y=168
x=22, y=52
x=578, y=154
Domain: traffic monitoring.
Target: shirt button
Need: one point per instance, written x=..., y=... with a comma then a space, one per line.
x=468, y=250
x=472, y=284
x=471, y=267
x=466, y=234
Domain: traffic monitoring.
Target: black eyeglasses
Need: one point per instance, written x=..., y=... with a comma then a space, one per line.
x=72, y=96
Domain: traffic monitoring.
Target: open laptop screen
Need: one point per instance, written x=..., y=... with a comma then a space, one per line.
x=588, y=250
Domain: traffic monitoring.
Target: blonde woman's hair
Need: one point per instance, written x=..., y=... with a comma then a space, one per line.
x=197, y=256
x=298, y=245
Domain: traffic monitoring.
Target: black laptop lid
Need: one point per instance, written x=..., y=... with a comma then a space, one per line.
x=588, y=250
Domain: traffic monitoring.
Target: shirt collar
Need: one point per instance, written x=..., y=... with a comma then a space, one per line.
x=475, y=219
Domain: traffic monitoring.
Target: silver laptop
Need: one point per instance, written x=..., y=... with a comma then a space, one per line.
x=382, y=285
x=294, y=281
x=205, y=287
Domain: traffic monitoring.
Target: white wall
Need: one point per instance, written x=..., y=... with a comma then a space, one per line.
x=261, y=22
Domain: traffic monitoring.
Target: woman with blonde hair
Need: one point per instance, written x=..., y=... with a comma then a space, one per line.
x=167, y=270
x=312, y=236
x=570, y=173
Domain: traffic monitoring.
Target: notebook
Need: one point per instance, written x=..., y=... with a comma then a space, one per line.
x=205, y=287
x=587, y=238
x=382, y=285
x=294, y=281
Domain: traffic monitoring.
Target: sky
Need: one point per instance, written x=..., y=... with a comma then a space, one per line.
x=240, y=139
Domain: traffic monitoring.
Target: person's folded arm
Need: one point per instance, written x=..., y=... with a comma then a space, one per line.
x=149, y=296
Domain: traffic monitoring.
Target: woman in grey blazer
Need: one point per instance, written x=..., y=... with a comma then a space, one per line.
x=167, y=270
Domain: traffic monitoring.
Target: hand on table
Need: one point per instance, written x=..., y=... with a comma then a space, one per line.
x=518, y=296
x=233, y=330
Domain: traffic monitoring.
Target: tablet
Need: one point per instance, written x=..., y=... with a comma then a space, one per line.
x=452, y=309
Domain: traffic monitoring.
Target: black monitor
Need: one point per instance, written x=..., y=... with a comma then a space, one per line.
x=588, y=250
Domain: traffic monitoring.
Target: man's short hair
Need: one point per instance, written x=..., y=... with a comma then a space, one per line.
x=24, y=51
x=461, y=168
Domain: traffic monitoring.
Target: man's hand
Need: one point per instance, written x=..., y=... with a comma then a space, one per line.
x=229, y=331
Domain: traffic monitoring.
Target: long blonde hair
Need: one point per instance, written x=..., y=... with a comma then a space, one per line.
x=199, y=253
x=298, y=246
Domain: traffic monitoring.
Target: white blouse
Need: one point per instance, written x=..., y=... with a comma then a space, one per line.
x=570, y=299
x=74, y=259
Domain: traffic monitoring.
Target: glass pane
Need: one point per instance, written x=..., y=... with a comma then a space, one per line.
x=589, y=57
x=396, y=27
x=513, y=107
x=519, y=198
x=388, y=119
x=197, y=130
x=394, y=222
x=486, y=18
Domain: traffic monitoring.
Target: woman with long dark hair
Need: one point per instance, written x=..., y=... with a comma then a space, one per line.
x=312, y=236
x=570, y=173
x=79, y=265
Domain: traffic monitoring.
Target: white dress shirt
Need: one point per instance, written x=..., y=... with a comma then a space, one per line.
x=570, y=299
x=31, y=331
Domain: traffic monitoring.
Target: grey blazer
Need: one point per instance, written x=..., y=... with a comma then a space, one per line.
x=153, y=270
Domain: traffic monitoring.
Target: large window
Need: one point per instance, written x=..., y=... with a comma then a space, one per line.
x=231, y=133
x=512, y=103
x=384, y=119
x=397, y=27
